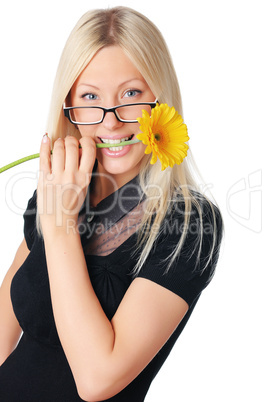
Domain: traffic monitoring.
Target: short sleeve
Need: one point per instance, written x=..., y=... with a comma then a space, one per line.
x=29, y=217
x=194, y=267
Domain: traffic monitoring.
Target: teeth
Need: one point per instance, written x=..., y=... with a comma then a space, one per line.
x=108, y=141
x=116, y=149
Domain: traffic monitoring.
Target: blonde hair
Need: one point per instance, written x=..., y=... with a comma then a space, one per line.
x=143, y=43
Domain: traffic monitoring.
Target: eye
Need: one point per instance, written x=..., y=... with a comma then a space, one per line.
x=90, y=96
x=132, y=92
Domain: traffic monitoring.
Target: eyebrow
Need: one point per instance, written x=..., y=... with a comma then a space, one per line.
x=87, y=85
x=131, y=79
x=121, y=85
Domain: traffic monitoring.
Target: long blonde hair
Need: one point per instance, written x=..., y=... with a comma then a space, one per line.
x=143, y=43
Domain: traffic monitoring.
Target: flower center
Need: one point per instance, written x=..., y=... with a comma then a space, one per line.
x=157, y=136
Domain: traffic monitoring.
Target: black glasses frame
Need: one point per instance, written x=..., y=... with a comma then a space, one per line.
x=105, y=110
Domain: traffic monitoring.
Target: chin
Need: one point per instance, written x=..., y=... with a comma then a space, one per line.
x=119, y=166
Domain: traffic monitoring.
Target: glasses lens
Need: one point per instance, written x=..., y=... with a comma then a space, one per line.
x=86, y=115
x=131, y=112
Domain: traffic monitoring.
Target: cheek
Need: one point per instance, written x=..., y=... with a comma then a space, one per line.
x=141, y=150
x=87, y=131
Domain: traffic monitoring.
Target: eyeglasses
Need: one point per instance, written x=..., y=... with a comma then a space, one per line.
x=86, y=115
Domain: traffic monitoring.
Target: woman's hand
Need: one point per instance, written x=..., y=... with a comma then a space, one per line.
x=63, y=182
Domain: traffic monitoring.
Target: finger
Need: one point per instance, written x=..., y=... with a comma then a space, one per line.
x=72, y=153
x=88, y=156
x=58, y=162
x=45, y=155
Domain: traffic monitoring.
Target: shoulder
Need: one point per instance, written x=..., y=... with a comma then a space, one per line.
x=29, y=217
x=31, y=205
x=201, y=224
x=196, y=220
x=200, y=209
x=184, y=256
x=193, y=219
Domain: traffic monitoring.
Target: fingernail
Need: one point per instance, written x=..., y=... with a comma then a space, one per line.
x=45, y=138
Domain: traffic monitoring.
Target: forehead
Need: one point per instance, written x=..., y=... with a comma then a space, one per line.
x=109, y=65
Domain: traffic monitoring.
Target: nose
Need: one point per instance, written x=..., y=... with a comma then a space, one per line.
x=111, y=121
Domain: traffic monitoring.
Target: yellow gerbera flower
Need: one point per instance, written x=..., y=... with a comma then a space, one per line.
x=165, y=135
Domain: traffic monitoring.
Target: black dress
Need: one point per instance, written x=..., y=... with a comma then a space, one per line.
x=37, y=370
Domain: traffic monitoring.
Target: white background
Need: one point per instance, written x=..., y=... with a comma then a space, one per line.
x=219, y=51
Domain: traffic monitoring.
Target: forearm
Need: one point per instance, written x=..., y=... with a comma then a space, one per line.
x=85, y=332
x=86, y=335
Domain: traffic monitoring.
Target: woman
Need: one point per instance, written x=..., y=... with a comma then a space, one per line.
x=116, y=251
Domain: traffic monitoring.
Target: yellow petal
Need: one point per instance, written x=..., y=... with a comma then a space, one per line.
x=169, y=145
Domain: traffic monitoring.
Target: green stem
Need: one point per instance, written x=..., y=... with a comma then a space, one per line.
x=102, y=145
x=10, y=165
x=121, y=144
